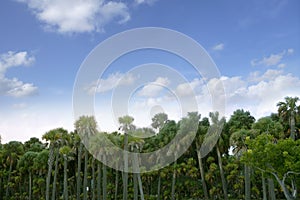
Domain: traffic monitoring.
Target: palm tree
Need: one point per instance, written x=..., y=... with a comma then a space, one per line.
x=79, y=146
x=86, y=126
x=65, y=150
x=26, y=163
x=53, y=136
x=126, y=126
x=12, y=151
x=40, y=165
x=287, y=111
x=158, y=122
x=237, y=141
x=219, y=123
x=136, y=144
x=202, y=130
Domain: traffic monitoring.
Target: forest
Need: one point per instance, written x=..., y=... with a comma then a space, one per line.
x=252, y=159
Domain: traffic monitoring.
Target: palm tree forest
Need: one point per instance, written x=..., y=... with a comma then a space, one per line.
x=252, y=159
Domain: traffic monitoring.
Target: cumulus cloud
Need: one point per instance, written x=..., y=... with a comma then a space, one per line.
x=258, y=93
x=218, y=47
x=112, y=81
x=188, y=89
x=77, y=16
x=262, y=93
x=154, y=88
x=273, y=59
x=13, y=86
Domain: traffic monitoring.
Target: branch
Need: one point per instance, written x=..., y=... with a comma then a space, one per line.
x=289, y=172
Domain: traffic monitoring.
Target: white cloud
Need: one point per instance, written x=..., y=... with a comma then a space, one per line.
x=273, y=59
x=154, y=88
x=218, y=47
x=13, y=59
x=270, y=74
x=77, y=16
x=112, y=81
x=188, y=89
x=12, y=86
x=281, y=65
x=259, y=93
x=149, y=2
x=260, y=97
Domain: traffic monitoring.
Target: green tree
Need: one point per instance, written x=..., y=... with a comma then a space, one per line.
x=26, y=163
x=281, y=159
x=287, y=111
x=12, y=151
x=240, y=124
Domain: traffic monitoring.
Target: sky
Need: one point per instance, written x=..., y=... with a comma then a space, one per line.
x=255, y=45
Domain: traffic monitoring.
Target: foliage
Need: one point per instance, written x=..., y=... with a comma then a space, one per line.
x=61, y=167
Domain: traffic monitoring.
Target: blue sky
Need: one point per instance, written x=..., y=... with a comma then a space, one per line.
x=255, y=45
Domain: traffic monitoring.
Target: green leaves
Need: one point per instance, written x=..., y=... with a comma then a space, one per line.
x=273, y=157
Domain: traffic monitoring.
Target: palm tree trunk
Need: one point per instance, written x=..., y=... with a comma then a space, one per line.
x=137, y=176
x=271, y=189
x=140, y=186
x=50, y=163
x=93, y=179
x=30, y=185
x=116, y=183
x=204, y=187
x=158, y=185
x=292, y=125
x=78, y=181
x=224, y=185
x=55, y=175
x=125, y=180
x=8, y=179
x=65, y=177
x=135, y=187
x=85, y=174
x=264, y=186
x=247, y=183
x=99, y=180
x=173, y=181
x=104, y=183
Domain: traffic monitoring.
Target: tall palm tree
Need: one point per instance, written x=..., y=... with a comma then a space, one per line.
x=158, y=122
x=202, y=130
x=126, y=126
x=79, y=146
x=86, y=127
x=65, y=151
x=53, y=137
x=287, y=111
x=26, y=163
x=136, y=145
x=220, y=123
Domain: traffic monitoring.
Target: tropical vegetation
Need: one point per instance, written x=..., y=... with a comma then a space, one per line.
x=251, y=159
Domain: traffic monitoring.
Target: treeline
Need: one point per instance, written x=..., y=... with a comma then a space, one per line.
x=252, y=159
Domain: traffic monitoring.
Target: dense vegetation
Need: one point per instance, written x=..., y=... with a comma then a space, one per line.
x=252, y=159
